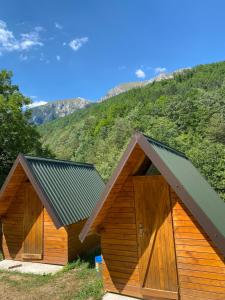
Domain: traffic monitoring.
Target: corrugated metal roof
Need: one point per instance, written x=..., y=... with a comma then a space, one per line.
x=194, y=183
x=72, y=189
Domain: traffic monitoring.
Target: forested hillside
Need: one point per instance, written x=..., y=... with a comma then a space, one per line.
x=186, y=112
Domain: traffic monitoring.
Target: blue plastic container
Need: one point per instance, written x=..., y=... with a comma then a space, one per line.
x=98, y=263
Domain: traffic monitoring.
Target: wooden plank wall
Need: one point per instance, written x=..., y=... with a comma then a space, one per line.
x=201, y=267
x=55, y=240
x=12, y=187
x=132, y=165
x=119, y=244
x=75, y=247
x=12, y=238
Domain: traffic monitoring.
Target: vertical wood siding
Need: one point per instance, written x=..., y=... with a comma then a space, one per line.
x=12, y=237
x=55, y=245
x=119, y=244
x=157, y=262
x=32, y=225
x=201, y=268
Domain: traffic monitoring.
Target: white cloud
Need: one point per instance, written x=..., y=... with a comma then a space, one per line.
x=76, y=44
x=64, y=44
x=58, y=57
x=7, y=39
x=38, y=28
x=23, y=57
x=58, y=26
x=160, y=70
x=29, y=40
x=36, y=103
x=140, y=73
x=8, y=42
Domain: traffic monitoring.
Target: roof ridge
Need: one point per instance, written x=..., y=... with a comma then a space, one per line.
x=58, y=161
x=163, y=145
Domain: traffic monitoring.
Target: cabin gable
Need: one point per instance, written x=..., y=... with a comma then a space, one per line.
x=168, y=251
x=43, y=206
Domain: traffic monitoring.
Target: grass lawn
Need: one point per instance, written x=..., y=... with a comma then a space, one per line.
x=76, y=281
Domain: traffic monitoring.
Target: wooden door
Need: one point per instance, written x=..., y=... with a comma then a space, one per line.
x=32, y=225
x=157, y=262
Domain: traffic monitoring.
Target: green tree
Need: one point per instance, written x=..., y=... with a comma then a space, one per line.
x=186, y=111
x=17, y=134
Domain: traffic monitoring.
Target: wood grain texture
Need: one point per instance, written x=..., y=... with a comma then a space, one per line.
x=120, y=194
x=12, y=188
x=32, y=225
x=119, y=244
x=201, y=267
x=157, y=262
x=12, y=239
x=55, y=245
x=28, y=230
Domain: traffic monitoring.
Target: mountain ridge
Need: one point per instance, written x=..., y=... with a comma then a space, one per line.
x=51, y=111
x=186, y=111
x=57, y=109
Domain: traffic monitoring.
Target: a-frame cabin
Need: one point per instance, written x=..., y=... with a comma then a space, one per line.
x=162, y=227
x=44, y=203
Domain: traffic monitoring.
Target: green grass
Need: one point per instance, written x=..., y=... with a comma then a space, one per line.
x=92, y=290
x=91, y=287
x=78, y=280
x=24, y=281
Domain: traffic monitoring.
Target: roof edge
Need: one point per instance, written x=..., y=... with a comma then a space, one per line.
x=163, y=145
x=59, y=161
x=9, y=176
x=216, y=236
x=213, y=232
x=38, y=188
x=108, y=187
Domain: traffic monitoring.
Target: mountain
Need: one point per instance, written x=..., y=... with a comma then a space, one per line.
x=61, y=108
x=121, y=88
x=124, y=87
x=57, y=109
x=186, y=111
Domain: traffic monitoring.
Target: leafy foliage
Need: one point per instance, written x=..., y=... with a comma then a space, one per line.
x=187, y=112
x=16, y=134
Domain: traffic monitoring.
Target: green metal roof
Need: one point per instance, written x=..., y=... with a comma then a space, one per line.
x=193, y=183
x=191, y=187
x=72, y=189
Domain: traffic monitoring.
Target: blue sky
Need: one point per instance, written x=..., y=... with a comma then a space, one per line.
x=64, y=49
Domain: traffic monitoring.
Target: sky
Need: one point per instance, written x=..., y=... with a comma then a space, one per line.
x=82, y=48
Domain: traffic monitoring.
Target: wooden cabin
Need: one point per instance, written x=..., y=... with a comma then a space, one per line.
x=43, y=205
x=162, y=227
